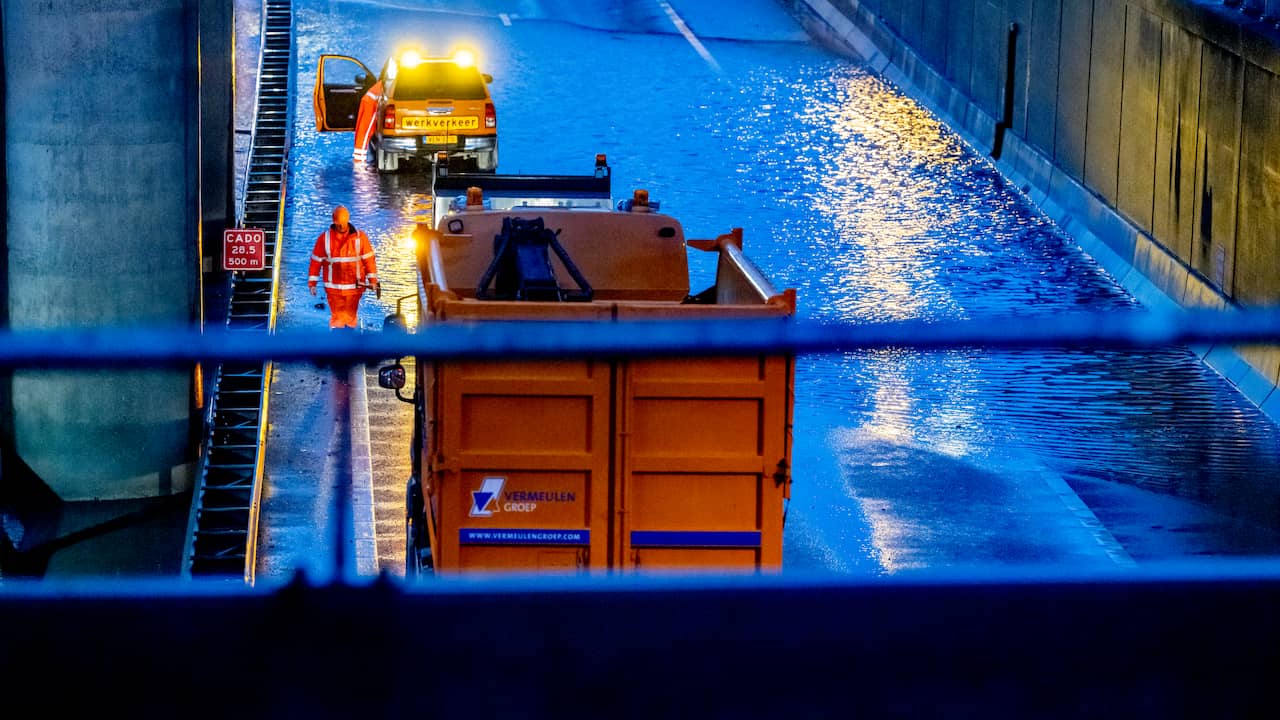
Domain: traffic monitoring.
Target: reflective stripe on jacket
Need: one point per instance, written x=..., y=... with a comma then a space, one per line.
x=342, y=261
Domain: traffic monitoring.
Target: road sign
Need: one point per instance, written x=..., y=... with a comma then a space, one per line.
x=244, y=249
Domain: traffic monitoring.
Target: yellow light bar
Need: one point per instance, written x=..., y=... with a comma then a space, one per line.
x=410, y=58
x=464, y=58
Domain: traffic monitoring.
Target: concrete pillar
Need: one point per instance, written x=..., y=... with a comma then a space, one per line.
x=102, y=129
x=217, y=128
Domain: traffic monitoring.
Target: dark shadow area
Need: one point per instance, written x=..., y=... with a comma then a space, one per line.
x=1181, y=644
x=67, y=540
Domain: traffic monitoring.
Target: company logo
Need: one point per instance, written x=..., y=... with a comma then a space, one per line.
x=485, y=500
x=490, y=498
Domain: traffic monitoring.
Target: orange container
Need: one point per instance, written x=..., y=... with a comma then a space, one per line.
x=574, y=465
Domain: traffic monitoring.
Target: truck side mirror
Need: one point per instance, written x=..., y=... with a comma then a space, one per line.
x=487, y=78
x=391, y=377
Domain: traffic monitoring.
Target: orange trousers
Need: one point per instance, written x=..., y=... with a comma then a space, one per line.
x=343, y=305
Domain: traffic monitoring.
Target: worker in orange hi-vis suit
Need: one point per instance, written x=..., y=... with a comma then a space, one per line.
x=342, y=262
x=364, y=121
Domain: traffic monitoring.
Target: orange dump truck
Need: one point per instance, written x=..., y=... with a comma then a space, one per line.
x=585, y=464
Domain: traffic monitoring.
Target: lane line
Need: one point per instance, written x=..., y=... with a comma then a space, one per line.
x=1101, y=534
x=688, y=35
x=362, y=517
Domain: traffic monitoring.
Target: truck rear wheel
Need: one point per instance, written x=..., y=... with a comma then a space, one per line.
x=411, y=569
x=415, y=523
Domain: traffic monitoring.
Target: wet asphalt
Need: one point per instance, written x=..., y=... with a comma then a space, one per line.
x=872, y=209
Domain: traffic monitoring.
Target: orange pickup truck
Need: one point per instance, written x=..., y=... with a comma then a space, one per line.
x=416, y=107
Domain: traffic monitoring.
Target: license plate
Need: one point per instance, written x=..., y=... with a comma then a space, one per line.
x=442, y=139
x=470, y=122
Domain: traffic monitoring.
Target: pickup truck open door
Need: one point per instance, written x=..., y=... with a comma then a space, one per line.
x=336, y=100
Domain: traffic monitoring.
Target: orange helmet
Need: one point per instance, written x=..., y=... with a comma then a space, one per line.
x=341, y=215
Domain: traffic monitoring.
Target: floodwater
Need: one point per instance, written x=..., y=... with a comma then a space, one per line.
x=873, y=210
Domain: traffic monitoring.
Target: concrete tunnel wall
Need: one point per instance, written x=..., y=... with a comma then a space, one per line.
x=1147, y=128
x=102, y=127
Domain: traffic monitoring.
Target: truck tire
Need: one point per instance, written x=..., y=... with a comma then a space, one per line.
x=414, y=526
x=412, y=571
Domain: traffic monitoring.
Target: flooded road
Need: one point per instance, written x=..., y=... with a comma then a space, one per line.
x=855, y=195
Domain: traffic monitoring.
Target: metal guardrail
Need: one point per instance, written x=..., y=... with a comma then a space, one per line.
x=223, y=523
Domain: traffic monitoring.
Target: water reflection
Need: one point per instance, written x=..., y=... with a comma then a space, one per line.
x=906, y=221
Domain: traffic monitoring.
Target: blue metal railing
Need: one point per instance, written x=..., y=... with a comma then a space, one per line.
x=181, y=346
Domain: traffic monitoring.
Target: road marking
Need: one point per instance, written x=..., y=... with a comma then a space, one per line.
x=362, y=517
x=506, y=19
x=1110, y=545
x=688, y=34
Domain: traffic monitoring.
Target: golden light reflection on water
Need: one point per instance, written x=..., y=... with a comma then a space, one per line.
x=392, y=241
x=879, y=209
x=397, y=252
x=947, y=423
x=936, y=415
x=886, y=216
x=877, y=246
